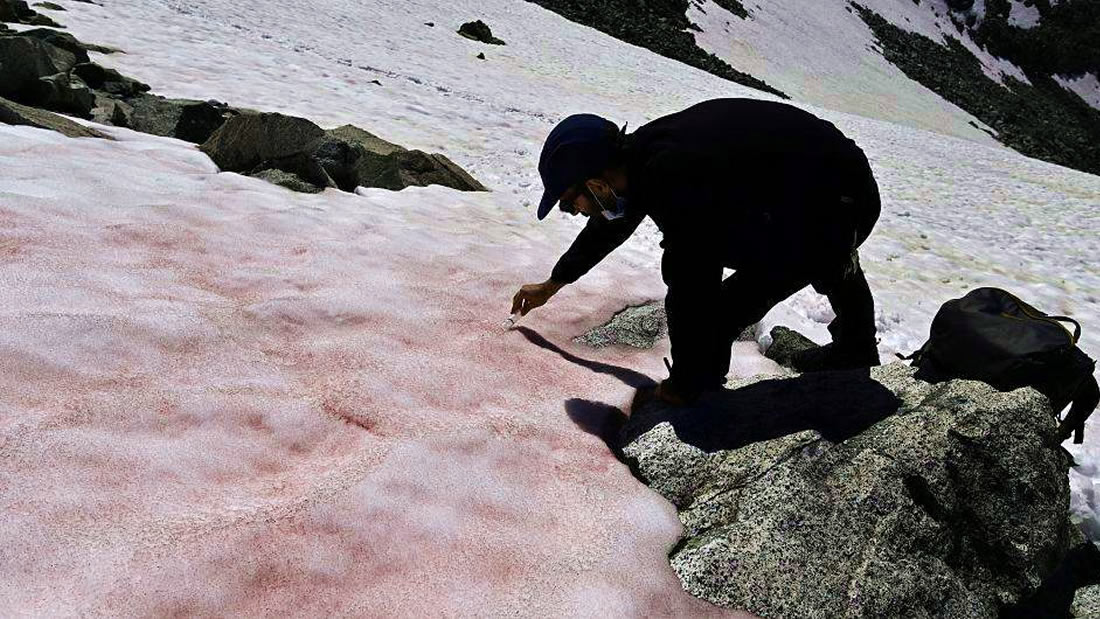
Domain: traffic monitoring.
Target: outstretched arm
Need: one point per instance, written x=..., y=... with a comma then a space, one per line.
x=598, y=239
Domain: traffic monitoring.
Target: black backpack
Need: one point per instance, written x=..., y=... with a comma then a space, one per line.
x=992, y=336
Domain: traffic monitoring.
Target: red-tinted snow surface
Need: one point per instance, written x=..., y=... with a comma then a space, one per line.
x=221, y=397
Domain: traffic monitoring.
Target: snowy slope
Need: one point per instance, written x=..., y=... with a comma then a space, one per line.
x=821, y=52
x=230, y=398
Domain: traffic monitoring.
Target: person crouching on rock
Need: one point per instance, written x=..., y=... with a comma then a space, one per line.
x=764, y=188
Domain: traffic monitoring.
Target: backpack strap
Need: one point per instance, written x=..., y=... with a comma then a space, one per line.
x=1076, y=326
x=1084, y=402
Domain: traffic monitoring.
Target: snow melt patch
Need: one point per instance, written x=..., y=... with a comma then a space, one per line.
x=1086, y=86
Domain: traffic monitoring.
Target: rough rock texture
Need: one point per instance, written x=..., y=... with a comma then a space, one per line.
x=63, y=93
x=417, y=168
x=1078, y=571
x=246, y=141
x=786, y=344
x=389, y=166
x=479, y=31
x=369, y=141
x=23, y=60
x=640, y=326
x=1087, y=603
x=340, y=160
x=185, y=119
x=288, y=180
x=15, y=114
x=62, y=40
x=863, y=493
x=111, y=111
x=17, y=12
x=108, y=80
x=346, y=157
x=67, y=42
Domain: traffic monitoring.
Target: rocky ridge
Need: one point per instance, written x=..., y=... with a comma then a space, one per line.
x=866, y=493
x=43, y=71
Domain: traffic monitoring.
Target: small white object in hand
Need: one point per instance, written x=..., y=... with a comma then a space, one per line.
x=512, y=321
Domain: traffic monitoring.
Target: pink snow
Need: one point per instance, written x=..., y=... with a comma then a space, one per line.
x=221, y=397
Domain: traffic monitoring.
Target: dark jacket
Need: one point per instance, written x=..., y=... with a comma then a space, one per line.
x=736, y=183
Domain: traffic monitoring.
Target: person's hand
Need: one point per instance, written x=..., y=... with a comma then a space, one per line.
x=531, y=296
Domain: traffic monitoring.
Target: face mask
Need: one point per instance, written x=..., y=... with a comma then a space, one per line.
x=620, y=206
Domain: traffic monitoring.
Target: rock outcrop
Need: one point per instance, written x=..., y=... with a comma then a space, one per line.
x=51, y=70
x=185, y=119
x=68, y=42
x=862, y=493
x=12, y=113
x=17, y=12
x=640, y=326
x=389, y=166
x=479, y=31
x=346, y=157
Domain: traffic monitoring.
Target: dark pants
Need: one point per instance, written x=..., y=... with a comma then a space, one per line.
x=822, y=254
x=748, y=295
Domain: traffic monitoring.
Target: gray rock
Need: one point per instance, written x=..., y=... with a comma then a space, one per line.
x=386, y=165
x=302, y=165
x=110, y=111
x=248, y=140
x=14, y=11
x=479, y=31
x=17, y=12
x=785, y=344
x=62, y=40
x=369, y=141
x=49, y=6
x=63, y=93
x=288, y=180
x=108, y=80
x=13, y=113
x=640, y=326
x=340, y=161
x=185, y=119
x=417, y=168
x=23, y=61
x=862, y=493
x=1086, y=603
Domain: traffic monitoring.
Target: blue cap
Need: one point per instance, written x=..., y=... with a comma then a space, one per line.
x=579, y=148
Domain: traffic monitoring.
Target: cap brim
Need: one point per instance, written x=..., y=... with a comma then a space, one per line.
x=549, y=199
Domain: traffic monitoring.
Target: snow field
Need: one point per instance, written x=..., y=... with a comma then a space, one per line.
x=227, y=397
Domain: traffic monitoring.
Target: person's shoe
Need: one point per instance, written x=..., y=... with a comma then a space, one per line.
x=832, y=357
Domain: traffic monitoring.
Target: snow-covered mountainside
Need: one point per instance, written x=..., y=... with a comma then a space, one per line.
x=1021, y=72
x=221, y=397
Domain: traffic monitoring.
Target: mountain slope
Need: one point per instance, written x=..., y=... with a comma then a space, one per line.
x=217, y=396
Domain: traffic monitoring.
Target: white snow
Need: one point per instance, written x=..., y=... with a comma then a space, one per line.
x=221, y=397
x=1023, y=16
x=820, y=52
x=1086, y=86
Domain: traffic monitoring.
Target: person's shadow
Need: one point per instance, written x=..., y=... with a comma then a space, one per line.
x=837, y=404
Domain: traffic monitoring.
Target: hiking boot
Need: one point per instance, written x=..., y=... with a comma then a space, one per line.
x=832, y=357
